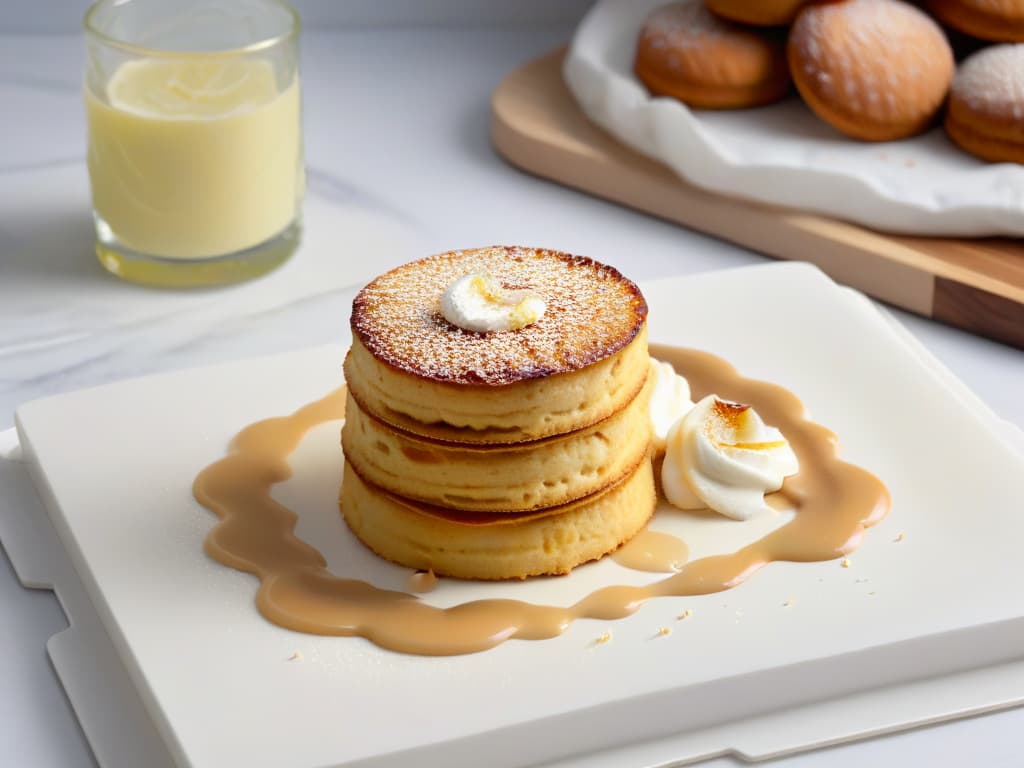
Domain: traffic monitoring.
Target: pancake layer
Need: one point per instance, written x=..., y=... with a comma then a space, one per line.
x=495, y=546
x=513, y=478
x=519, y=412
x=582, y=361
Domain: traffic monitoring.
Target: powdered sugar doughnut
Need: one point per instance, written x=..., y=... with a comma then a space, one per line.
x=876, y=70
x=986, y=105
x=768, y=13
x=686, y=52
x=999, y=20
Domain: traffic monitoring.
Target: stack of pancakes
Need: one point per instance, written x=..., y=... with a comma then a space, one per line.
x=504, y=454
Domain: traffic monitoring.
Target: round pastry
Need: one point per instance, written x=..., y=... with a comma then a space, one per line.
x=986, y=106
x=764, y=13
x=998, y=20
x=686, y=52
x=498, y=546
x=876, y=70
x=583, y=360
x=513, y=478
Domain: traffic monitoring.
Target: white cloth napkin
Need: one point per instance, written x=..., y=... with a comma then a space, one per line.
x=783, y=154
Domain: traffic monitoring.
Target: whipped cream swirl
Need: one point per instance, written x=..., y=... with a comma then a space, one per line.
x=670, y=401
x=722, y=456
x=479, y=303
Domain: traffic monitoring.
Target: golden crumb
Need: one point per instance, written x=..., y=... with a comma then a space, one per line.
x=899, y=537
x=684, y=615
x=297, y=656
x=846, y=562
x=663, y=631
x=789, y=602
x=605, y=638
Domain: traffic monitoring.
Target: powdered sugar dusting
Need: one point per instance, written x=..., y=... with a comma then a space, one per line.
x=682, y=25
x=993, y=80
x=592, y=313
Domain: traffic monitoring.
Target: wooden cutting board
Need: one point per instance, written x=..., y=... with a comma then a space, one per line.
x=975, y=284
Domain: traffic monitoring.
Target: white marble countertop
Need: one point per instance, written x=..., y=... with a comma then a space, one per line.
x=396, y=125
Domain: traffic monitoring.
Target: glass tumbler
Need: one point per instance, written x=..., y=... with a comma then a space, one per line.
x=195, y=138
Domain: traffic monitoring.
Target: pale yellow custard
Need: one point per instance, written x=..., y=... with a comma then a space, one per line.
x=195, y=158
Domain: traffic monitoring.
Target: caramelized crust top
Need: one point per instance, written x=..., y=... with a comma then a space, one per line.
x=592, y=313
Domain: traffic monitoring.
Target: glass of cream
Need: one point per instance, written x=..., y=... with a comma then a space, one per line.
x=195, y=138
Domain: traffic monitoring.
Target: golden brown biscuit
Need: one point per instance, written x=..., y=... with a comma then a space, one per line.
x=582, y=361
x=986, y=105
x=498, y=546
x=997, y=20
x=686, y=52
x=876, y=70
x=765, y=13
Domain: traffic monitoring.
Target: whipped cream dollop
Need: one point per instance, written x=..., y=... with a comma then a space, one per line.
x=670, y=401
x=479, y=303
x=722, y=456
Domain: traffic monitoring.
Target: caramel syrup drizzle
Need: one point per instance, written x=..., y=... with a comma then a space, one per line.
x=653, y=551
x=835, y=503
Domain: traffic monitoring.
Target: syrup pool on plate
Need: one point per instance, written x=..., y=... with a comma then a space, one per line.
x=834, y=504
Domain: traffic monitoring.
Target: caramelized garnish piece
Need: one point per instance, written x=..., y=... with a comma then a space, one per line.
x=731, y=413
x=731, y=422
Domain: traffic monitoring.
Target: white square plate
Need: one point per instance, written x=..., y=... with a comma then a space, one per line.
x=115, y=464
